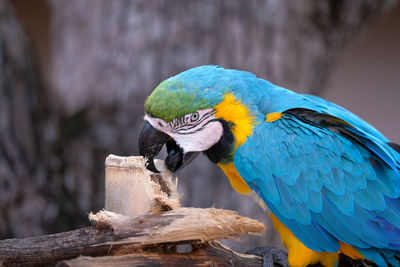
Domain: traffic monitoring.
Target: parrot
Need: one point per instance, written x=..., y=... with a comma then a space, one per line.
x=330, y=180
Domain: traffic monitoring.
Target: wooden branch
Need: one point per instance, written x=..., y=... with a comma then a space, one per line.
x=113, y=231
x=49, y=249
x=212, y=253
x=184, y=224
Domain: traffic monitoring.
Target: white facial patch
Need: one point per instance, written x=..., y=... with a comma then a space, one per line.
x=193, y=132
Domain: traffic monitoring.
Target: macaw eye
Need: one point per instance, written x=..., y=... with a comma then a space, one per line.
x=194, y=117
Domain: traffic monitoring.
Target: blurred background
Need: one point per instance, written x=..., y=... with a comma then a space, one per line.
x=74, y=76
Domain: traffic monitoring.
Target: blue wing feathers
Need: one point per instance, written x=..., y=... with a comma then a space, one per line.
x=313, y=235
x=373, y=254
x=337, y=185
x=314, y=201
x=392, y=212
x=324, y=187
x=350, y=229
x=354, y=181
x=287, y=203
x=383, y=150
x=369, y=198
x=270, y=187
x=311, y=177
x=298, y=190
x=333, y=225
x=344, y=203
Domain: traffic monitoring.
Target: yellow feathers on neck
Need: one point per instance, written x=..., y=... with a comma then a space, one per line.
x=232, y=110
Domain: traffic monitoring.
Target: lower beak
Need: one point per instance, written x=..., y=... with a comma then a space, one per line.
x=151, y=142
x=176, y=159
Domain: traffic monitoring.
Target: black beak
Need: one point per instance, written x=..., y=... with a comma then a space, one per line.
x=176, y=159
x=151, y=142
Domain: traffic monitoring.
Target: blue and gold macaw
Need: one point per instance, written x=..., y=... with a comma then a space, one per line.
x=330, y=180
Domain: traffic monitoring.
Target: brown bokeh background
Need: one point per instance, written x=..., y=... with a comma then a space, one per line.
x=366, y=77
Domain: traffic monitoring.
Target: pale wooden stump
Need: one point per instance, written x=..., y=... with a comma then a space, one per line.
x=132, y=190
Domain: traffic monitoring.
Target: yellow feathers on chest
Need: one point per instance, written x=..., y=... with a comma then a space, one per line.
x=233, y=111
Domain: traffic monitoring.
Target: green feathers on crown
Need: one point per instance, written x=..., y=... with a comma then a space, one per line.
x=194, y=89
x=172, y=99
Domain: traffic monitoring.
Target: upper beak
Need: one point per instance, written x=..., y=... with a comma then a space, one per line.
x=151, y=142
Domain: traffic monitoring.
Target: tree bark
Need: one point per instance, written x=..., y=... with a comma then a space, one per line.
x=49, y=249
x=210, y=254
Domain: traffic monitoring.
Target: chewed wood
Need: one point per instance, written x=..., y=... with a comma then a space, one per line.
x=184, y=224
x=131, y=189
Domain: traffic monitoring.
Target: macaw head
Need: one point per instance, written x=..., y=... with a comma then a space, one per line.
x=192, y=112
